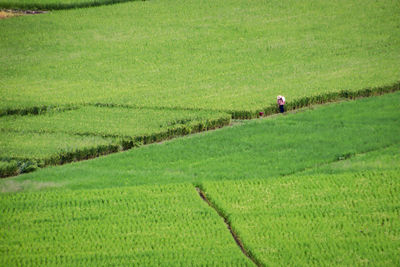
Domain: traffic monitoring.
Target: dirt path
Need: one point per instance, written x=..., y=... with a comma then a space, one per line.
x=9, y=13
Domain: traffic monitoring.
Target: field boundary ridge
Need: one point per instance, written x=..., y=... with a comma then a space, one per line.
x=236, y=114
x=15, y=166
x=234, y=234
x=316, y=99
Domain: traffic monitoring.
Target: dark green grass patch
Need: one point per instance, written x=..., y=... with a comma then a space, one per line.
x=134, y=226
x=231, y=55
x=263, y=148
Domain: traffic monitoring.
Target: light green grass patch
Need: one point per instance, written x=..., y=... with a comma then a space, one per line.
x=143, y=226
x=381, y=159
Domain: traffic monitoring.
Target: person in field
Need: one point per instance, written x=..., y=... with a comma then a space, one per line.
x=281, y=103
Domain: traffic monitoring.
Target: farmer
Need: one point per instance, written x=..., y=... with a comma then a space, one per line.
x=281, y=103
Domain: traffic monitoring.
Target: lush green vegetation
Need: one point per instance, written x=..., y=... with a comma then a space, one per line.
x=232, y=55
x=332, y=197
x=142, y=226
x=263, y=148
x=315, y=187
x=346, y=219
x=55, y=4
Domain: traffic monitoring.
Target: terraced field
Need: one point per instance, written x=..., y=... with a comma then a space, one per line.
x=315, y=186
x=311, y=188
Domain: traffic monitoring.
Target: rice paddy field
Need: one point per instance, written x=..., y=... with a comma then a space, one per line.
x=316, y=186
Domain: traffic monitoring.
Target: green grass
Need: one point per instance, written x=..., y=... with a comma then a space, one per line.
x=221, y=55
x=140, y=226
x=264, y=148
x=55, y=4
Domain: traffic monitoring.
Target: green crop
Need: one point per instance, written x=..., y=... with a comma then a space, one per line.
x=294, y=189
x=343, y=219
x=229, y=55
x=140, y=226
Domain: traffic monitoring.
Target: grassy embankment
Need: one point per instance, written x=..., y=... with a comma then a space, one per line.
x=292, y=187
x=59, y=137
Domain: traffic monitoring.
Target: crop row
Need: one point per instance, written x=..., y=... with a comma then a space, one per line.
x=345, y=219
x=146, y=226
